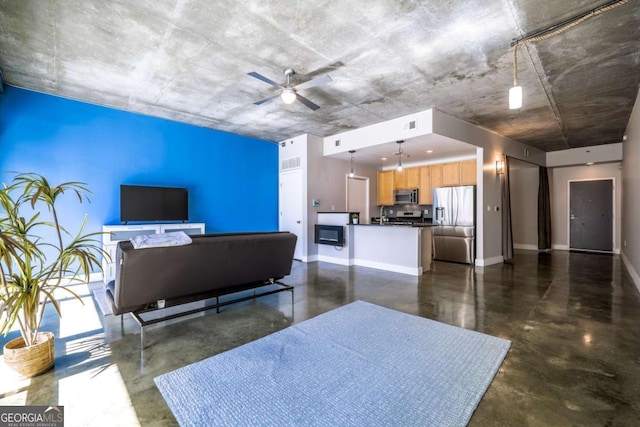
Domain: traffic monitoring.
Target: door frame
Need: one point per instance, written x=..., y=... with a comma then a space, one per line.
x=367, y=195
x=613, y=212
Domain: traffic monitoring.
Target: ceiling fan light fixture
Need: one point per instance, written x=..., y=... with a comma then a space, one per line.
x=288, y=96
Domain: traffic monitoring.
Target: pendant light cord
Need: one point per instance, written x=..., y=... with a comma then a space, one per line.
x=515, y=65
x=569, y=23
x=557, y=29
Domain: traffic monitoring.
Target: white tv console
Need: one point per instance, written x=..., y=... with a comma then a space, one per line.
x=116, y=233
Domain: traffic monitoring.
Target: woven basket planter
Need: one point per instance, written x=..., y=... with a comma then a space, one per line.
x=33, y=360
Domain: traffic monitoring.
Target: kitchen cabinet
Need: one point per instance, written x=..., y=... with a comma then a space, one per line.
x=436, y=176
x=425, y=179
x=468, y=172
x=385, y=188
x=425, y=191
x=406, y=179
x=412, y=177
x=399, y=179
x=450, y=174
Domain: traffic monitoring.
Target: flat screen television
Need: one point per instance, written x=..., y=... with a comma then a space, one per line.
x=141, y=203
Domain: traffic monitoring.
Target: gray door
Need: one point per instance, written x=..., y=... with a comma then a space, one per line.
x=591, y=215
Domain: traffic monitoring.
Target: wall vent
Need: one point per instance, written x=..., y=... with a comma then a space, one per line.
x=290, y=163
x=409, y=125
x=337, y=143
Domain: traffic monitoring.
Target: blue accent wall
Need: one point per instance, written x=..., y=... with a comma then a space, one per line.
x=232, y=180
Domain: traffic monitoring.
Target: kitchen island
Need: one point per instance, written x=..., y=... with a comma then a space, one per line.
x=399, y=248
x=406, y=249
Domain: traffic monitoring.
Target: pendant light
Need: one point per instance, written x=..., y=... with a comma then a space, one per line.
x=352, y=174
x=515, y=93
x=399, y=168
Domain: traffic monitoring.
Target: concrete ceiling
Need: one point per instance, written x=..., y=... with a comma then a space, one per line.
x=187, y=60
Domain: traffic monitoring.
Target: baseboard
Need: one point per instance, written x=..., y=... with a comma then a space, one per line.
x=483, y=262
x=567, y=248
x=635, y=277
x=413, y=271
x=312, y=258
x=335, y=260
x=525, y=246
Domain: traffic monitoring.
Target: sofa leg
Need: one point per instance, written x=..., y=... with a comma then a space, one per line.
x=142, y=323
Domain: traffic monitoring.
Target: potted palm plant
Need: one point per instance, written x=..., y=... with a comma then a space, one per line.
x=34, y=271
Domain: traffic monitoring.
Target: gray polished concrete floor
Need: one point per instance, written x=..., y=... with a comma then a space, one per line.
x=573, y=318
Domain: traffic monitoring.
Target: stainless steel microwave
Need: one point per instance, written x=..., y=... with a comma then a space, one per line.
x=405, y=197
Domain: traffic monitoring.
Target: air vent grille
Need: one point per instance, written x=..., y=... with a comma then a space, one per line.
x=290, y=163
x=409, y=125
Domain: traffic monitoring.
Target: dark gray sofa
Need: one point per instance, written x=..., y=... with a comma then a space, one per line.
x=211, y=266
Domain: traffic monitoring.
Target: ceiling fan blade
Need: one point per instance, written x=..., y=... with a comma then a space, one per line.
x=263, y=78
x=314, y=82
x=264, y=101
x=306, y=102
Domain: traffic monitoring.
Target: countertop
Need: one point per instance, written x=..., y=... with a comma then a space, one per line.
x=424, y=224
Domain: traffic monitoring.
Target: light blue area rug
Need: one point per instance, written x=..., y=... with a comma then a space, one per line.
x=358, y=365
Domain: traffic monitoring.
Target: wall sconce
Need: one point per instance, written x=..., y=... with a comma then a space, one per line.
x=499, y=167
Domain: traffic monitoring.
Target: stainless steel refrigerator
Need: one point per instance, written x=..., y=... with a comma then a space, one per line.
x=455, y=223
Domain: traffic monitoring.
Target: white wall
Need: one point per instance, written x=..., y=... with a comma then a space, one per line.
x=325, y=181
x=631, y=196
x=559, y=182
x=581, y=156
x=379, y=133
x=524, y=206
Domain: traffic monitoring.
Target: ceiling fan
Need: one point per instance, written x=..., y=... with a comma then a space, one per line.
x=289, y=93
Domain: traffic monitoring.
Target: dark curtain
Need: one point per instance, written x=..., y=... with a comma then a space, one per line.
x=544, y=210
x=507, y=233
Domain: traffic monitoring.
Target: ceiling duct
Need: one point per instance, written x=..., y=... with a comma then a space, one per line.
x=409, y=125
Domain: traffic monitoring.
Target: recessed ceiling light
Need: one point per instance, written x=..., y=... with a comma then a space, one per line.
x=589, y=163
x=383, y=159
x=429, y=151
